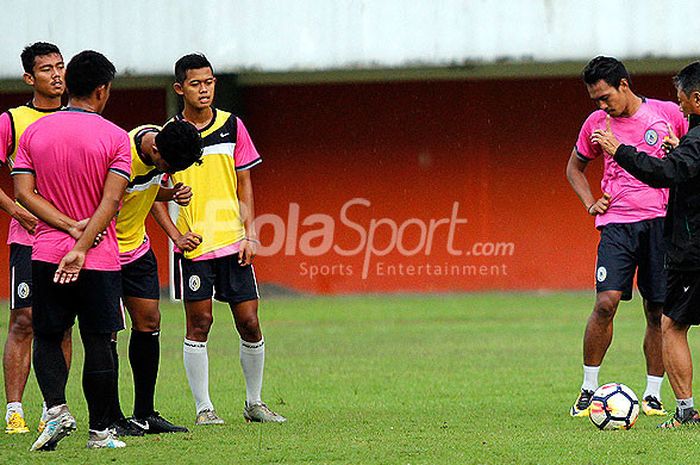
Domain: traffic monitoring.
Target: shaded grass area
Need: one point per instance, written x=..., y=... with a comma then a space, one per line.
x=484, y=378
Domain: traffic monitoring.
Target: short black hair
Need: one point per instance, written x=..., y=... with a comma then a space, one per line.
x=87, y=71
x=191, y=61
x=688, y=79
x=37, y=49
x=180, y=145
x=611, y=70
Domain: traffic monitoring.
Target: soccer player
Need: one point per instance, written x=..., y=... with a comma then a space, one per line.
x=680, y=171
x=629, y=216
x=44, y=72
x=155, y=151
x=219, y=254
x=74, y=165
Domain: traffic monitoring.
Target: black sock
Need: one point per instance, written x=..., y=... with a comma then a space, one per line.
x=99, y=379
x=115, y=407
x=144, y=356
x=50, y=368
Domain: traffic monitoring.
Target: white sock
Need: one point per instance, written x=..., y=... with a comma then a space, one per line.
x=196, y=360
x=253, y=362
x=590, y=378
x=44, y=411
x=653, y=386
x=684, y=405
x=13, y=407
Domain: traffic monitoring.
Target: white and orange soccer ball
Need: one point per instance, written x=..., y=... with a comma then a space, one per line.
x=614, y=406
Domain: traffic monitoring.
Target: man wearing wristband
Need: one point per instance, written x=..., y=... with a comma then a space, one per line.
x=216, y=241
x=629, y=216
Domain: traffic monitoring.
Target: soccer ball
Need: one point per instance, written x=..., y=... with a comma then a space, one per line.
x=614, y=406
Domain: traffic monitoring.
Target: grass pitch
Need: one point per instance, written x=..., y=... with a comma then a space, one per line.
x=484, y=379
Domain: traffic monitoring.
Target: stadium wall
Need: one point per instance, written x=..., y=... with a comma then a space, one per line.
x=410, y=186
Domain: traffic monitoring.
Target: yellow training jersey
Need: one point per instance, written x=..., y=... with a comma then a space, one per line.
x=20, y=119
x=140, y=195
x=214, y=211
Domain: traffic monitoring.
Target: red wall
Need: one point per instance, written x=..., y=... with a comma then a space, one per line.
x=498, y=148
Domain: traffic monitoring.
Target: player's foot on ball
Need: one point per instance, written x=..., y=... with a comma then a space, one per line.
x=16, y=424
x=106, y=439
x=126, y=427
x=259, y=412
x=156, y=424
x=582, y=404
x=691, y=417
x=651, y=406
x=208, y=417
x=59, y=424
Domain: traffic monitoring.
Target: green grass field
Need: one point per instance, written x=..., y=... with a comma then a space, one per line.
x=391, y=380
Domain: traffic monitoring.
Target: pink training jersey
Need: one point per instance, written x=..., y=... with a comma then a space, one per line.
x=631, y=199
x=16, y=233
x=70, y=153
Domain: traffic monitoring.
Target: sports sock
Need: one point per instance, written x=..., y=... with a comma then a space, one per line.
x=50, y=368
x=194, y=355
x=653, y=386
x=144, y=352
x=590, y=378
x=14, y=407
x=684, y=406
x=98, y=378
x=253, y=361
x=115, y=409
x=44, y=411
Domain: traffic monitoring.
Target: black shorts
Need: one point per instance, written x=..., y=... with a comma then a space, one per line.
x=683, y=297
x=95, y=298
x=232, y=282
x=626, y=248
x=140, y=277
x=20, y=276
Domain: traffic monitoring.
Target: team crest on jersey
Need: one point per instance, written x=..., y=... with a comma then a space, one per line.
x=23, y=290
x=651, y=137
x=194, y=283
x=601, y=274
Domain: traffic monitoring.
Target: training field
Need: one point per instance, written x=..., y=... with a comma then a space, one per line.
x=481, y=378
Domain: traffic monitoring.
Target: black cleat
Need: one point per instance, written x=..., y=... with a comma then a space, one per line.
x=580, y=407
x=155, y=424
x=127, y=427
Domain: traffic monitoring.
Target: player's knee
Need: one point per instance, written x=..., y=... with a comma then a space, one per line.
x=200, y=323
x=605, y=308
x=149, y=324
x=21, y=326
x=249, y=328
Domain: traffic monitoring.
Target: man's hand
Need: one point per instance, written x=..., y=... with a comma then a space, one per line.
x=188, y=241
x=600, y=206
x=25, y=219
x=182, y=194
x=247, y=251
x=70, y=267
x=607, y=140
x=671, y=141
x=77, y=230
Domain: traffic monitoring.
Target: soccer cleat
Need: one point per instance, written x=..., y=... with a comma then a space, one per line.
x=259, y=412
x=651, y=406
x=208, y=417
x=126, y=427
x=691, y=418
x=582, y=404
x=106, y=439
x=156, y=424
x=59, y=424
x=16, y=424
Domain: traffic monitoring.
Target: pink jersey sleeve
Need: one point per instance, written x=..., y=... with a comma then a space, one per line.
x=6, y=137
x=245, y=154
x=23, y=162
x=121, y=160
x=679, y=123
x=584, y=147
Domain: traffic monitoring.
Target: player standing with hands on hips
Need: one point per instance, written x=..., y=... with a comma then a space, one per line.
x=630, y=218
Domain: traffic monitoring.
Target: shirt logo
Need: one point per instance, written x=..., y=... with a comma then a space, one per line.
x=685, y=288
x=23, y=290
x=225, y=134
x=194, y=283
x=601, y=274
x=651, y=137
